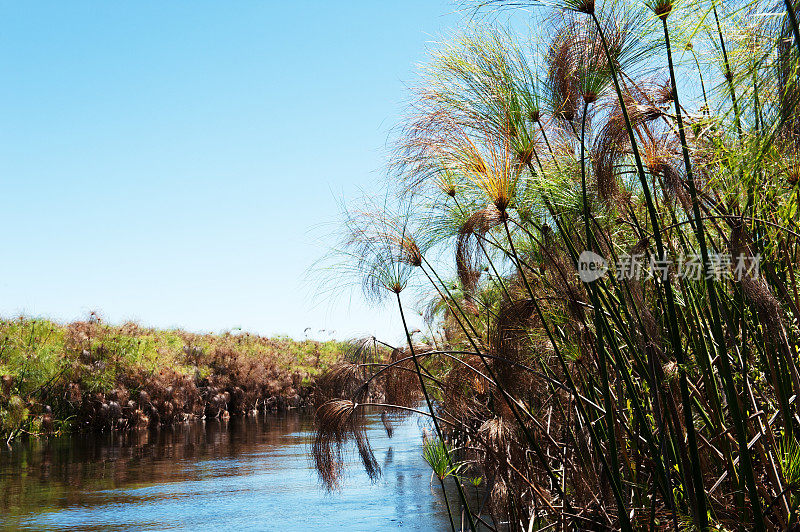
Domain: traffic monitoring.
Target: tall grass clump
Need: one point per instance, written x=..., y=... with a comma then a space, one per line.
x=663, y=138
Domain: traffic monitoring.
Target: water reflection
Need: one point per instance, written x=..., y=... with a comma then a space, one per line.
x=249, y=473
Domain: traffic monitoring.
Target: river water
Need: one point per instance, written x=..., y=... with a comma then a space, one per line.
x=244, y=474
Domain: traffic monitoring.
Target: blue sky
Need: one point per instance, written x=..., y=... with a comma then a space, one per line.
x=172, y=162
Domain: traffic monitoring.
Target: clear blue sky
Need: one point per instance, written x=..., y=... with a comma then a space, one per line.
x=167, y=162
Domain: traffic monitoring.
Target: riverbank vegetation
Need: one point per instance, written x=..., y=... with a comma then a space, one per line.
x=92, y=375
x=660, y=139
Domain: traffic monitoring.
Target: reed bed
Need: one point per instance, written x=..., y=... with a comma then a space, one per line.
x=660, y=139
x=90, y=375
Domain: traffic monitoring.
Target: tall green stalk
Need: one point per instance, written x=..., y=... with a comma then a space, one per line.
x=429, y=404
x=671, y=311
x=733, y=400
x=611, y=438
x=728, y=75
x=625, y=523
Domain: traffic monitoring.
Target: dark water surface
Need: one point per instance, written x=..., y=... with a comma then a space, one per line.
x=244, y=474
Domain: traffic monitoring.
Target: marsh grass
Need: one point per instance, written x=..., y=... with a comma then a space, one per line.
x=90, y=374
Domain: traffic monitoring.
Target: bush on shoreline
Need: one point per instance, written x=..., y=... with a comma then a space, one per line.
x=89, y=375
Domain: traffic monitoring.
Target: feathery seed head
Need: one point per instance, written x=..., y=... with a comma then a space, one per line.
x=338, y=422
x=662, y=8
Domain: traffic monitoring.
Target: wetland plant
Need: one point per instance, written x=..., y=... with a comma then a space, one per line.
x=658, y=391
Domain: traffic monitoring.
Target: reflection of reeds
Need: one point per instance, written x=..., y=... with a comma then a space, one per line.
x=44, y=474
x=646, y=403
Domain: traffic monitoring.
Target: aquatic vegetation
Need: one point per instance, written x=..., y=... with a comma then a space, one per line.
x=439, y=458
x=92, y=375
x=600, y=220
